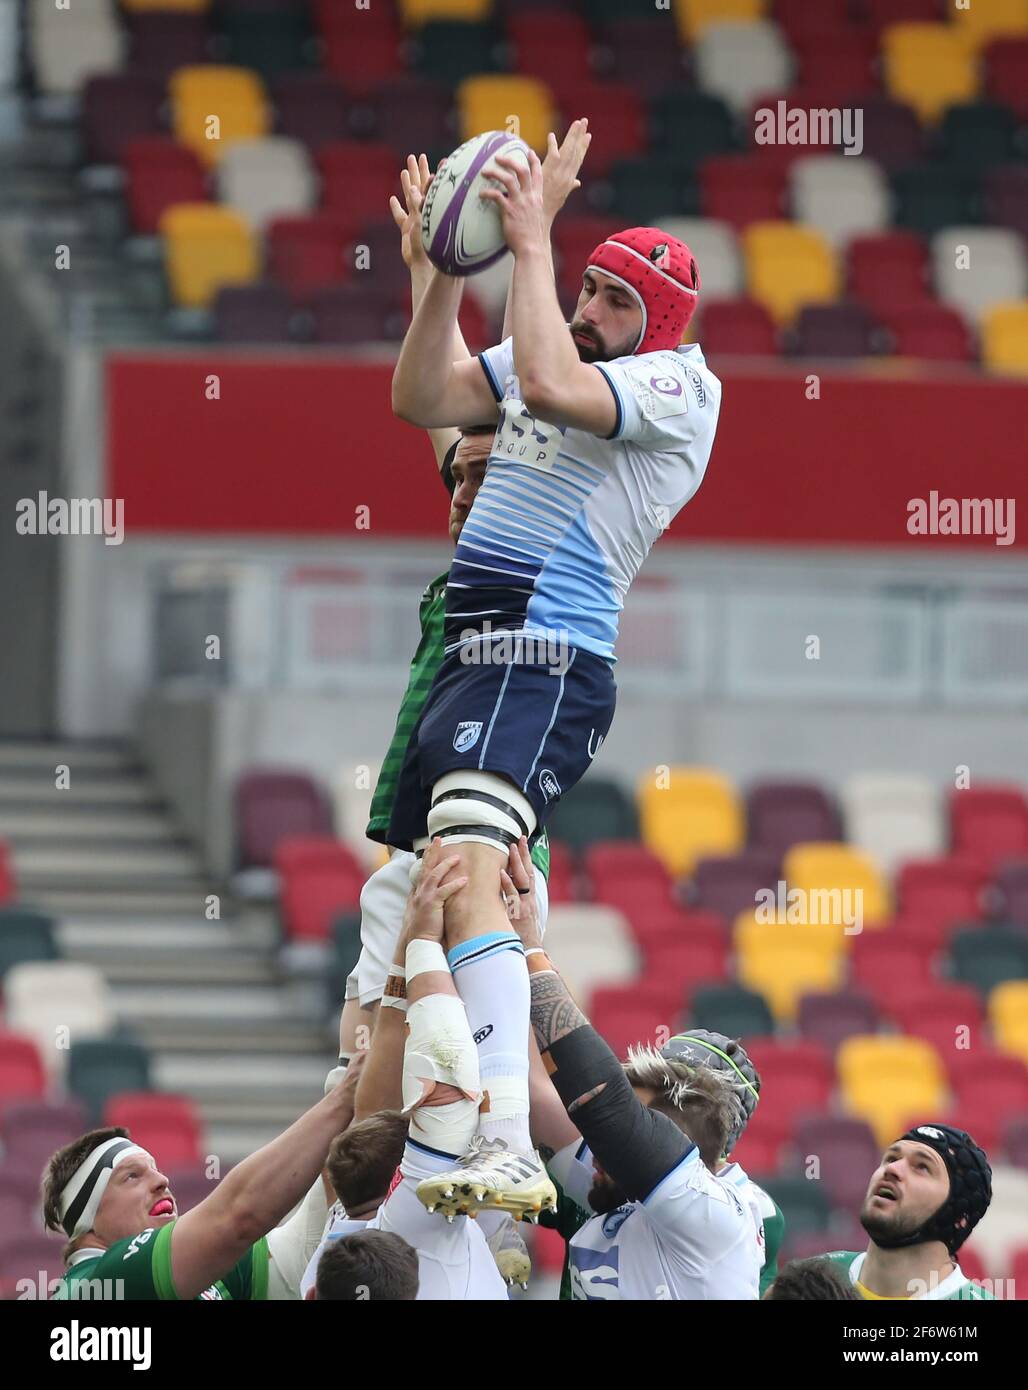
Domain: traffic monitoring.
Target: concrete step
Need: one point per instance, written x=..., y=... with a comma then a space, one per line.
x=146, y=934
x=119, y=902
x=36, y=755
x=108, y=866
x=38, y=825
x=20, y=790
x=239, y=1085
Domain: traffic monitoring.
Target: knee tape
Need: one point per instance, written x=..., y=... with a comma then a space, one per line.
x=440, y=1051
x=480, y=807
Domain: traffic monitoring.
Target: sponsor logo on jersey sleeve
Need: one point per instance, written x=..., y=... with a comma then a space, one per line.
x=659, y=393
x=467, y=735
x=548, y=784
x=696, y=382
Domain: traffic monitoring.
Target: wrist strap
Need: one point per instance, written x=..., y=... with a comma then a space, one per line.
x=424, y=956
x=394, y=1001
x=538, y=962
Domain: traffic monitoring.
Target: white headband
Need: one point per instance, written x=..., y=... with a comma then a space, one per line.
x=83, y=1192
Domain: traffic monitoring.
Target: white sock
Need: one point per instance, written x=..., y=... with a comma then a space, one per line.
x=491, y=978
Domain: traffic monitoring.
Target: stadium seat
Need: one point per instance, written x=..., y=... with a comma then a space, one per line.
x=763, y=1144
x=888, y=967
x=253, y=314
x=54, y=1002
x=949, y=1016
x=739, y=62
x=357, y=178
x=783, y=963
x=320, y=878
x=893, y=135
x=804, y=1204
x=1006, y=74
x=988, y=1073
x=989, y=823
x=847, y=1155
x=25, y=935
x=19, y=1202
x=596, y=809
x=831, y=1018
x=551, y=46
x=741, y=189
x=32, y=1129
x=234, y=95
x=184, y=6
x=697, y=813
x=641, y=190
x=931, y=66
x=205, y=247
x=892, y=817
x=355, y=314
x=795, y=1076
x=840, y=196
x=943, y=889
x=22, y=1075
x=417, y=12
x=617, y=864
x=606, y=956
x=737, y=327
x=887, y=268
x=1005, y=338
x=8, y=887
x=731, y=1009
x=264, y=179
x=998, y=19
x=840, y=61
x=116, y=108
x=99, y=1068
x=561, y=885
x=929, y=331
x=976, y=268
x=617, y=121
x=788, y=266
x=66, y=47
x=986, y=956
x=633, y=1015
x=311, y=107
x=271, y=40
x=930, y=197
x=449, y=51
x=1016, y=1140
x=271, y=804
x=979, y=134
x=817, y=868
x=487, y=102
x=160, y=173
x=1011, y=890
x=730, y=884
x=834, y=330
x=693, y=17
x=29, y=1258
x=346, y=949
x=698, y=955
x=982, y=1122
x=362, y=47
x=189, y=1187
x=409, y=113
x=707, y=118
x=168, y=1126
x=716, y=250
x=881, y=13
x=885, y=1080
x=637, y=51
x=162, y=41
x=1006, y=197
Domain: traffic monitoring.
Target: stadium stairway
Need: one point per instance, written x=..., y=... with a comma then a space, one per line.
x=225, y=1025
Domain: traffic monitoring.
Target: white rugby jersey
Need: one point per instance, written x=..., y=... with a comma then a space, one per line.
x=691, y=1238
x=754, y=1198
x=454, y=1261
x=564, y=519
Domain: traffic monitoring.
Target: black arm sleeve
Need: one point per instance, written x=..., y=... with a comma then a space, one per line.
x=636, y=1146
x=446, y=471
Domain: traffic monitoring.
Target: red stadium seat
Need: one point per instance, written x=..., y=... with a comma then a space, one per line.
x=166, y=1125
x=310, y=253
x=363, y=47
x=617, y=121
x=29, y=1257
x=888, y=967
x=1015, y=1139
x=729, y=885
x=946, y=890
x=948, y=1016
x=888, y=268
x=796, y=1078
x=627, y=1015
x=272, y=803
x=553, y=48
x=162, y=42
x=574, y=242
x=117, y=107
x=311, y=107
x=987, y=1071
x=989, y=824
x=982, y=1122
x=930, y=331
x=19, y=1202
x=834, y=330
x=882, y=13
x=1006, y=74
x=22, y=1075
x=737, y=328
x=640, y=53
x=844, y=63
x=831, y=1018
x=358, y=178
x=928, y=933
x=619, y=864
x=800, y=19
x=697, y=956
x=321, y=878
x=763, y=1143
x=561, y=884
x=741, y=189
x=160, y=173
x=847, y=1152
x=189, y=1186
x=8, y=891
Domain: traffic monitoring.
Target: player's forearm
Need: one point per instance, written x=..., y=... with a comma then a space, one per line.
x=420, y=277
x=381, y=1085
x=508, y=308
x=425, y=363
x=544, y=353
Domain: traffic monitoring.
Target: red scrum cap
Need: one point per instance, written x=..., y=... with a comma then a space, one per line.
x=660, y=273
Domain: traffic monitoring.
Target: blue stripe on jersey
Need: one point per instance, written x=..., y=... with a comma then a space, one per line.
x=691, y=1156
x=619, y=423
x=490, y=376
x=579, y=597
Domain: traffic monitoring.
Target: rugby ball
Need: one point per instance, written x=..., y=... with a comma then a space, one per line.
x=462, y=234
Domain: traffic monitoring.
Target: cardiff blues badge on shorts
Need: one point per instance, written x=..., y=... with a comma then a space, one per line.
x=548, y=784
x=467, y=735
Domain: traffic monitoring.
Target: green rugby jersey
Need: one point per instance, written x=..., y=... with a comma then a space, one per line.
x=425, y=663
x=139, y=1269
x=956, y=1286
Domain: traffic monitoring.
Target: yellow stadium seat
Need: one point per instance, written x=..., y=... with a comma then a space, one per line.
x=488, y=103
x=1015, y=1040
x=786, y=968
x=888, y=1081
x=787, y=266
x=205, y=247
x=829, y=875
x=234, y=96
x=1008, y=1009
x=1005, y=337
x=752, y=932
x=690, y=812
x=995, y=19
x=178, y=6
x=929, y=66
x=417, y=12
x=693, y=16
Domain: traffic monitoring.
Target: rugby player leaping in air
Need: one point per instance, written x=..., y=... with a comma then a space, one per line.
x=604, y=431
